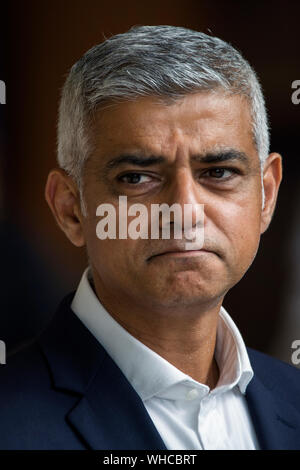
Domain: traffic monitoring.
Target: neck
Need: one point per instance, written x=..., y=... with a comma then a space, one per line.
x=185, y=337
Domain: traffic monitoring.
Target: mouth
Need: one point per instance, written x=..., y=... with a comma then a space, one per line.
x=176, y=253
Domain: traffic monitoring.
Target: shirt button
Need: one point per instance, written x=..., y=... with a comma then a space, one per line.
x=192, y=394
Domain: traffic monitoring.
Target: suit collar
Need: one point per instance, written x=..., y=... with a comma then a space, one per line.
x=148, y=372
x=109, y=413
x=276, y=422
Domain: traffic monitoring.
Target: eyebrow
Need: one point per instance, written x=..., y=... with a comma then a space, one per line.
x=134, y=160
x=222, y=156
x=210, y=157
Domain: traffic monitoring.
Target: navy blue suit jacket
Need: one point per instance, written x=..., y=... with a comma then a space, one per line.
x=65, y=392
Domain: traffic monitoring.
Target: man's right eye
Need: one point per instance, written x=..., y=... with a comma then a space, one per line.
x=134, y=178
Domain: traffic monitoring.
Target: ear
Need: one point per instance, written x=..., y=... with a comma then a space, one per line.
x=62, y=196
x=272, y=176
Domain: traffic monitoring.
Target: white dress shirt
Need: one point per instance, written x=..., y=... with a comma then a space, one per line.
x=186, y=413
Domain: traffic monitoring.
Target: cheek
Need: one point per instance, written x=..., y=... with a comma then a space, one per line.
x=238, y=228
x=112, y=253
x=244, y=234
x=112, y=257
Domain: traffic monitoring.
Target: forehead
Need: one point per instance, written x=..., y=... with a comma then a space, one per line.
x=196, y=122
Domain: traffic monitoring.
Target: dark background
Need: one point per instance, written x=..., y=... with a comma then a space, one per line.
x=40, y=42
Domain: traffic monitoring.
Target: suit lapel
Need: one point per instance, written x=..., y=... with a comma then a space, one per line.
x=112, y=415
x=276, y=422
x=109, y=413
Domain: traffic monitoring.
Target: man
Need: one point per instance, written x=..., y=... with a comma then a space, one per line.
x=144, y=356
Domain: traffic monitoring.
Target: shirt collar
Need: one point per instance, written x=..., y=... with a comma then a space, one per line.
x=150, y=374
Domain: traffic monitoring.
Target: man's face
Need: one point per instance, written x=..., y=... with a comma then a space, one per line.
x=202, y=152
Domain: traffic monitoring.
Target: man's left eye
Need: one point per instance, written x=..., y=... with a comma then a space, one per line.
x=220, y=173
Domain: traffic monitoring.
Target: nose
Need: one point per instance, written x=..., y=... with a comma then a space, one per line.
x=185, y=191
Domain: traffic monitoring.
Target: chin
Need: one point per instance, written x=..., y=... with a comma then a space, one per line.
x=176, y=296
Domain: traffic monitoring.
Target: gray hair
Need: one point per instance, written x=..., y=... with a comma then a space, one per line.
x=163, y=61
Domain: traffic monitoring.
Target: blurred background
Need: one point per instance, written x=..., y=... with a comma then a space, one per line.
x=40, y=42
